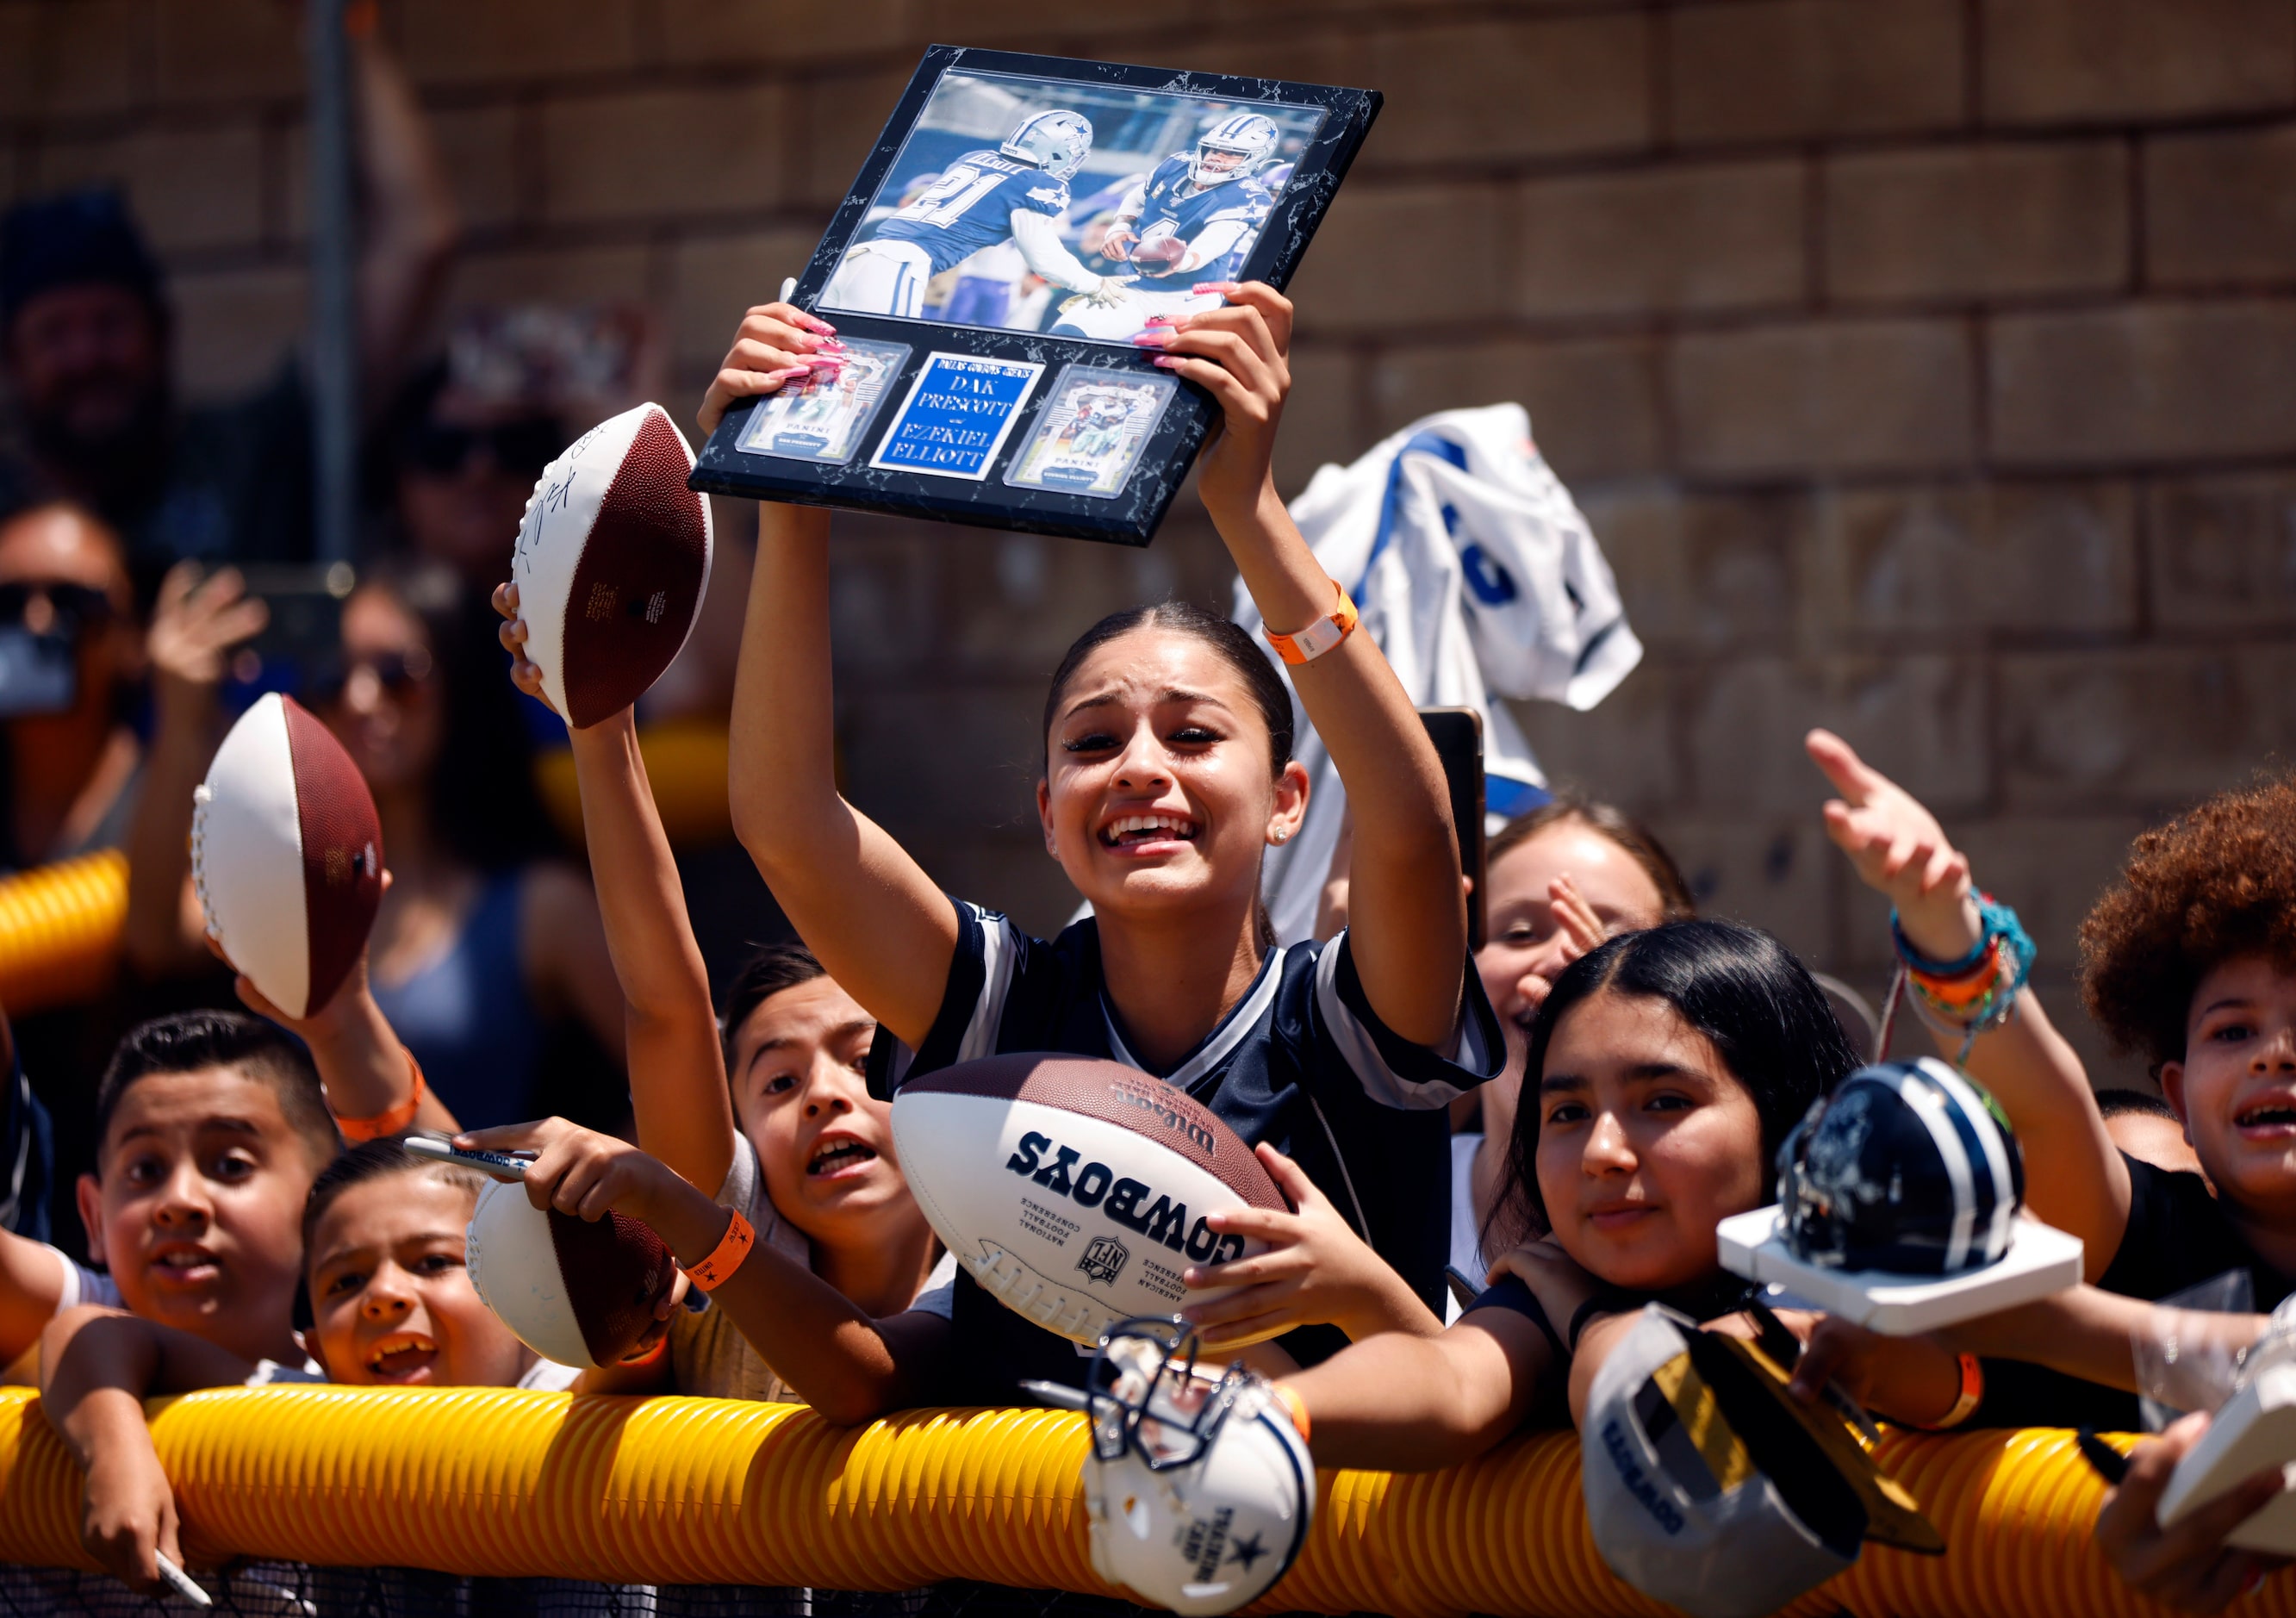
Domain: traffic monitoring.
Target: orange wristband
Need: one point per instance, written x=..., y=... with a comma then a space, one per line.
x=393, y=1121
x=1973, y=1395
x=1297, y=1406
x=1318, y=637
x=713, y=1271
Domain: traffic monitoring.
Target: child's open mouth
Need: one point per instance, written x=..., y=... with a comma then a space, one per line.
x=1137, y=830
x=186, y=1265
x=2274, y=1116
x=835, y=1158
x=401, y=1356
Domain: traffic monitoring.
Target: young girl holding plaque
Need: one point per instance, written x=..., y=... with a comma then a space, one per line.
x=1167, y=773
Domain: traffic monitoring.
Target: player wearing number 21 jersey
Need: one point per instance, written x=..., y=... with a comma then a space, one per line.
x=1016, y=194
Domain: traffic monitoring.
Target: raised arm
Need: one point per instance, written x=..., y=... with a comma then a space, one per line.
x=676, y=1064
x=2075, y=1178
x=411, y=223
x=1407, y=915
x=867, y=911
x=850, y=1368
x=195, y=625
x=368, y=1075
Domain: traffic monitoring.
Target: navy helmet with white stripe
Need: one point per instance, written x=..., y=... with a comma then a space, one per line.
x=1907, y=1167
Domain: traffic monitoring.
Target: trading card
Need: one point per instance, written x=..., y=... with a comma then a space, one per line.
x=1091, y=429
x=826, y=417
x=957, y=415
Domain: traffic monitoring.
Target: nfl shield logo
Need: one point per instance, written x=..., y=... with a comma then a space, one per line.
x=1105, y=1259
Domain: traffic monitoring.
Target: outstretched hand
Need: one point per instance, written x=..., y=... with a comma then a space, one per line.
x=1316, y=1270
x=776, y=344
x=195, y=623
x=1241, y=353
x=2187, y=1566
x=1898, y=849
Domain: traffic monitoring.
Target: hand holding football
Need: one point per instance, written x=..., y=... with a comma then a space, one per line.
x=1076, y=1190
x=287, y=854
x=610, y=564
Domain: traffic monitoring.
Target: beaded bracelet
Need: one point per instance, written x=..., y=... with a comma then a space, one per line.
x=1971, y=995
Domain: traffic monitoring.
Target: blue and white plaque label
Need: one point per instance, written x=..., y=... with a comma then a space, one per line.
x=957, y=415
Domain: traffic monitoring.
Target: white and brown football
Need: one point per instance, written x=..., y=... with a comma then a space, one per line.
x=612, y=558
x=287, y=854
x=581, y=1292
x=1075, y=1189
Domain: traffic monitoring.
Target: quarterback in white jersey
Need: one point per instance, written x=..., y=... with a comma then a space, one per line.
x=1016, y=194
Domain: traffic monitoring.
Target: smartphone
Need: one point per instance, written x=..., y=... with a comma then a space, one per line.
x=496, y=1165
x=302, y=641
x=38, y=673
x=1457, y=733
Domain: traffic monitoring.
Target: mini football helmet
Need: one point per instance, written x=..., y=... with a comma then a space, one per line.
x=1199, y=1491
x=1245, y=139
x=1056, y=141
x=1907, y=1168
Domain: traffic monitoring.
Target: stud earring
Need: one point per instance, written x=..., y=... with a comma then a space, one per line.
x=1281, y=833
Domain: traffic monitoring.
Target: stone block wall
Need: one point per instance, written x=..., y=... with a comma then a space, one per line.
x=1928, y=367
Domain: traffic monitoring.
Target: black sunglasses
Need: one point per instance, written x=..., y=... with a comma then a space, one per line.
x=74, y=604
x=399, y=672
x=525, y=446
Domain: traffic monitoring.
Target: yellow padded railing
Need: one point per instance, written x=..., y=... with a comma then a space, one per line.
x=60, y=929
x=493, y=1482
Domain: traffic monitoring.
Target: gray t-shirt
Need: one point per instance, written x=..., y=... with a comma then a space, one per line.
x=708, y=1357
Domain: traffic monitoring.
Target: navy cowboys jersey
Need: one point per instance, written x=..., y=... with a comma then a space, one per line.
x=1302, y=1062
x=972, y=206
x=1170, y=196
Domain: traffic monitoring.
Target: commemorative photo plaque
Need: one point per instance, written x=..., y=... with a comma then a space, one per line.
x=1019, y=221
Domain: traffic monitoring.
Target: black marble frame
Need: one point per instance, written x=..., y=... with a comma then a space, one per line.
x=1132, y=516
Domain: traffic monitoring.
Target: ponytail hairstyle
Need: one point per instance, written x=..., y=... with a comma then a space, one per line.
x=1767, y=1018
x=1230, y=644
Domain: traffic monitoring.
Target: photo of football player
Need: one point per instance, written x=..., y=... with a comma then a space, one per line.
x=1194, y=220
x=1090, y=437
x=1016, y=194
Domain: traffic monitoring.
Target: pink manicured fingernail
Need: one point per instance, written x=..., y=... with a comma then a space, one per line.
x=833, y=346
x=814, y=323
x=1170, y=362
x=1224, y=288
x=1151, y=339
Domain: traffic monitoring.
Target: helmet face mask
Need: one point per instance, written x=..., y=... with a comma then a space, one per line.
x=1907, y=1168
x=1149, y=1400
x=1198, y=1493
x=1235, y=145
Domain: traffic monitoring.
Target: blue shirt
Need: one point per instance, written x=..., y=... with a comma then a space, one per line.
x=971, y=207
x=1302, y=1062
x=1171, y=199
x=467, y=1016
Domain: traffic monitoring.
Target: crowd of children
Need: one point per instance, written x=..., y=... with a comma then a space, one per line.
x=1559, y=1119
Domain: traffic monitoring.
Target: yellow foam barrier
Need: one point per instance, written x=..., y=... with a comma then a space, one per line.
x=496, y=1482
x=686, y=762
x=60, y=929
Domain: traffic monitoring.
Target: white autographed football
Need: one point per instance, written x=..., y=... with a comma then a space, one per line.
x=287, y=854
x=1075, y=1189
x=612, y=562
x=581, y=1292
